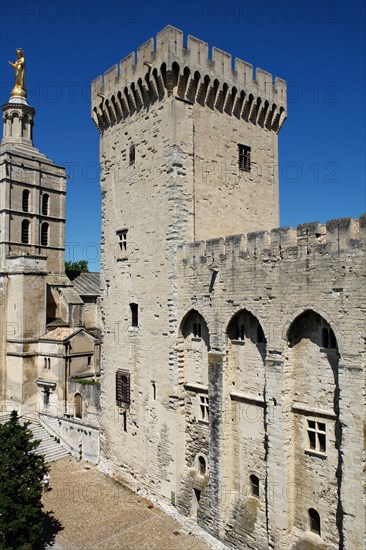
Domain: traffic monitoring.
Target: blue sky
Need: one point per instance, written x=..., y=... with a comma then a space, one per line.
x=318, y=47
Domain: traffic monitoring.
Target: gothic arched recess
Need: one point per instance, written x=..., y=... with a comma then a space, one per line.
x=245, y=377
x=193, y=348
x=313, y=429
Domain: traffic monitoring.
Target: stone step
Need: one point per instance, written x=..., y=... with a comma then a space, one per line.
x=48, y=447
x=189, y=526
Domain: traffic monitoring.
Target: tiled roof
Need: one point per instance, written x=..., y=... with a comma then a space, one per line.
x=59, y=334
x=87, y=284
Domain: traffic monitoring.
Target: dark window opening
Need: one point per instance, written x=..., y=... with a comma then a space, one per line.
x=314, y=521
x=44, y=234
x=198, y=494
x=153, y=391
x=244, y=158
x=132, y=154
x=254, y=482
x=25, y=201
x=45, y=204
x=122, y=387
x=124, y=421
x=122, y=243
x=25, y=232
x=202, y=465
x=134, y=315
x=89, y=361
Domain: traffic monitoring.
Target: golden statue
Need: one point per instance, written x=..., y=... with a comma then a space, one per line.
x=19, y=71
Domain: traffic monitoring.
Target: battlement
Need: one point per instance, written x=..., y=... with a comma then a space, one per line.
x=334, y=237
x=188, y=72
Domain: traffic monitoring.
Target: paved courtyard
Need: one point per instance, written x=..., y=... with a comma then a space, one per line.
x=95, y=512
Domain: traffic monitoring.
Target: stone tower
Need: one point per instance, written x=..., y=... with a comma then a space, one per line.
x=233, y=381
x=32, y=243
x=188, y=151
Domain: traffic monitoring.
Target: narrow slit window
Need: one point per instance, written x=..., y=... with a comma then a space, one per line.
x=134, y=315
x=244, y=158
x=124, y=421
x=254, y=484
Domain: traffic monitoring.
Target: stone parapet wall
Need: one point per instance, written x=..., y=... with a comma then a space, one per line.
x=309, y=238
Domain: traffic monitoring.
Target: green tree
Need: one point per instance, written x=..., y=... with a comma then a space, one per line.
x=73, y=269
x=21, y=473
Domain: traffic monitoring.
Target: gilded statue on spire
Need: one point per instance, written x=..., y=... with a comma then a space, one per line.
x=19, y=89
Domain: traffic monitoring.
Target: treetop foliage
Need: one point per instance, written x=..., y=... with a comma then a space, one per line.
x=21, y=473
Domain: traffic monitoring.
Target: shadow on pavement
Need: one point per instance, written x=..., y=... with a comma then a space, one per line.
x=51, y=527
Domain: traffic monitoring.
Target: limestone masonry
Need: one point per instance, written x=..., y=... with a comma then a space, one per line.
x=233, y=383
x=49, y=328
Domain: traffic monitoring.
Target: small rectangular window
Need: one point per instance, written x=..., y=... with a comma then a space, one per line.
x=244, y=157
x=122, y=244
x=134, y=315
x=316, y=436
x=122, y=387
x=204, y=407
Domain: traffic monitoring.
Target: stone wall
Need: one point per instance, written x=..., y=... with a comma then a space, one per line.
x=295, y=284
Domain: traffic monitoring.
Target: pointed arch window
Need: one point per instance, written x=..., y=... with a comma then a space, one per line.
x=202, y=465
x=25, y=200
x=45, y=204
x=44, y=234
x=25, y=232
x=314, y=521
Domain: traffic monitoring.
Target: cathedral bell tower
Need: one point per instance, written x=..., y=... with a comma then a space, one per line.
x=32, y=241
x=32, y=187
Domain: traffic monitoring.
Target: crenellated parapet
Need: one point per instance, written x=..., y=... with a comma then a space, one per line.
x=336, y=236
x=169, y=68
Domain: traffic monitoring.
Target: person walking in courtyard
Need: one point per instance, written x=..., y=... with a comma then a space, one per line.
x=46, y=482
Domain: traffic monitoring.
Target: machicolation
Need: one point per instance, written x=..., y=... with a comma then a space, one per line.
x=189, y=74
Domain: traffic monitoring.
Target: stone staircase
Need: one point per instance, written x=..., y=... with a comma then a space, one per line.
x=189, y=527
x=48, y=447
